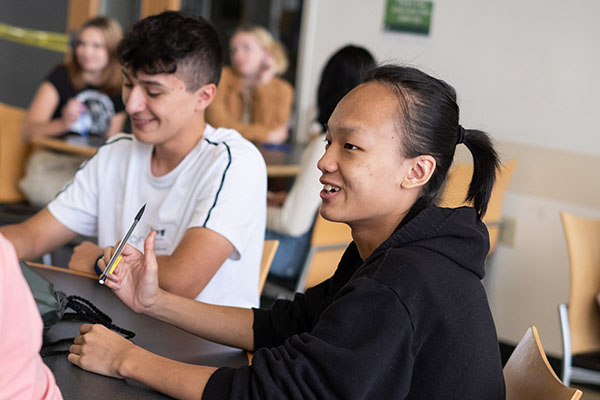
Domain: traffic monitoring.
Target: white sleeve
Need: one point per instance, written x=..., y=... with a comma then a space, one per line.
x=76, y=205
x=297, y=214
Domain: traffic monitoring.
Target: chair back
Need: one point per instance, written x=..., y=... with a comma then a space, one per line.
x=529, y=376
x=269, y=250
x=457, y=186
x=13, y=153
x=327, y=244
x=583, y=246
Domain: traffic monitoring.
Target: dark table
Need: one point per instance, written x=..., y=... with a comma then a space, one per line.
x=281, y=160
x=151, y=334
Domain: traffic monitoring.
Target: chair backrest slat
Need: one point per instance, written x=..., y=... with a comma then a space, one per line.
x=457, y=186
x=269, y=250
x=13, y=153
x=583, y=246
x=529, y=376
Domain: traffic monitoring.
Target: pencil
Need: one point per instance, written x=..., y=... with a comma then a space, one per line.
x=116, y=257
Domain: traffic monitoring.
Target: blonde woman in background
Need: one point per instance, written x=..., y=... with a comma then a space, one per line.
x=251, y=98
x=81, y=96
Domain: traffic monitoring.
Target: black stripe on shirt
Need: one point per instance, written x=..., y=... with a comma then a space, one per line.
x=222, y=178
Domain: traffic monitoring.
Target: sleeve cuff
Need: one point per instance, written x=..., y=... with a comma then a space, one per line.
x=261, y=322
x=219, y=384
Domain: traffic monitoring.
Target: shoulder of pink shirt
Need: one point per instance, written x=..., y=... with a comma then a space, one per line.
x=23, y=373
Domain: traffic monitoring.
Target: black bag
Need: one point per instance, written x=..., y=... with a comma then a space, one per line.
x=50, y=303
x=53, y=306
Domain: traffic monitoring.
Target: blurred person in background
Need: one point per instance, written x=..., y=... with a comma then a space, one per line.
x=252, y=98
x=291, y=215
x=81, y=96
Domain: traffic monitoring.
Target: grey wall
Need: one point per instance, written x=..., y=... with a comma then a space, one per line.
x=23, y=67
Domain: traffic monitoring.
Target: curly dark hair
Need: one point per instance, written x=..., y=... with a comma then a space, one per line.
x=174, y=42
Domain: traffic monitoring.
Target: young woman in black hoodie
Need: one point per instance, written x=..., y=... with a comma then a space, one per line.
x=405, y=316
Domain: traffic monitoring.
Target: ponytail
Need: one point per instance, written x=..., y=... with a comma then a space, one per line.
x=429, y=115
x=485, y=165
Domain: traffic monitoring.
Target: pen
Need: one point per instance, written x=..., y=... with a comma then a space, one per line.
x=116, y=257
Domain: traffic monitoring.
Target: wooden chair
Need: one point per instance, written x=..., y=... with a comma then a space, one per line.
x=327, y=244
x=580, y=320
x=529, y=376
x=13, y=153
x=456, y=188
x=269, y=250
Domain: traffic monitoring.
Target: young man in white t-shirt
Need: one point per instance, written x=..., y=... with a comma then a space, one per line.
x=204, y=188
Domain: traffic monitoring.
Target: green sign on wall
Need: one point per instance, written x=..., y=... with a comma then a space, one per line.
x=412, y=16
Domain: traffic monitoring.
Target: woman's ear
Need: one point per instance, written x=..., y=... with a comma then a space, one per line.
x=420, y=172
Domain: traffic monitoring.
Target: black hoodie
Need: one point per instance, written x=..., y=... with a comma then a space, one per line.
x=411, y=322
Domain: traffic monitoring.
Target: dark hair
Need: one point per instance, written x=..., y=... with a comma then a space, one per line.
x=429, y=119
x=173, y=42
x=342, y=73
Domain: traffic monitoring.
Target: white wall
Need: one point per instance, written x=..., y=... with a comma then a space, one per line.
x=520, y=67
x=528, y=72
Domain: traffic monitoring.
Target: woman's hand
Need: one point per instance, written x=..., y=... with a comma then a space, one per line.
x=135, y=279
x=71, y=112
x=277, y=135
x=268, y=70
x=84, y=256
x=100, y=350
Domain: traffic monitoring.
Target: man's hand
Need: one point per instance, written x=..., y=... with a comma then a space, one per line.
x=84, y=257
x=135, y=279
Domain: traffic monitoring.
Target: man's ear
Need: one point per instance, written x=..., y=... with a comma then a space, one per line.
x=205, y=95
x=421, y=170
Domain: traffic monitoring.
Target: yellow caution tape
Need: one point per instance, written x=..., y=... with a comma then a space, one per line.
x=46, y=40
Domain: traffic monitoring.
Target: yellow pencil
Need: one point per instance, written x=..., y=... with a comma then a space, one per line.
x=115, y=265
x=116, y=257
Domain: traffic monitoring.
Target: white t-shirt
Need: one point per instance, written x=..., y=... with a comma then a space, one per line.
x=219, y=185
x=297, y=214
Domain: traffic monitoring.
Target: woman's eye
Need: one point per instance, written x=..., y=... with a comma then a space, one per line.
x=327, y=143
x=151, y=94
x=350, y=146
x=127, y=84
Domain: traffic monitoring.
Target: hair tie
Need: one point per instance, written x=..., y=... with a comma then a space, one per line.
x=461, y=135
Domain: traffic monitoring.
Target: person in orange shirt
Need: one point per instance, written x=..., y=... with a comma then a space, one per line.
x=251, y=98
